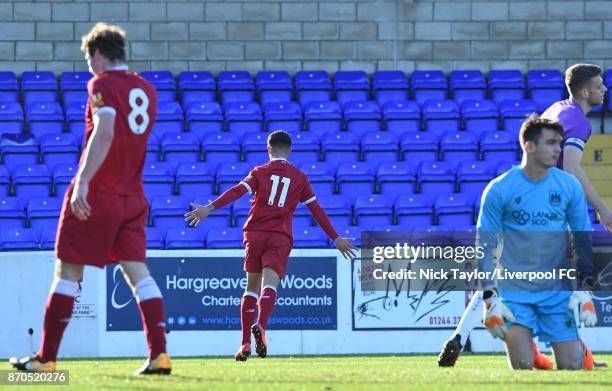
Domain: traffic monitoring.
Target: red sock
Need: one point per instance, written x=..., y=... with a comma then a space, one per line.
x=57, y=315
x=152, y=313
x=248, y=314
x=266, y=305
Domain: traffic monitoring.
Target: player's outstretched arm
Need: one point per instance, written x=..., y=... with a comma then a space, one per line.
x=200, y=212
x=344, y=245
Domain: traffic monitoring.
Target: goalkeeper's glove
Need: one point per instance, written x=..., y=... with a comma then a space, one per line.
x=584, y=299
x=495, y=314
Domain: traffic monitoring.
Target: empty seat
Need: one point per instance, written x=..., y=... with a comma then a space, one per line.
x=546, y=86
x=321, y=176
x=164, y=83
x=158, y=179
x=184, y=238
x=497, y=147
x=11, y=117
x=469, y=84
x=362, y=117
x=479, y=116
x=255, y=148
x=394, y=178
x=44, y=117
x=225, y=238
x=473, y=177
x=47, y=239
x=355, y=178
x=338, y=147
x=285, y=116
x=221, y=147
x=44, y=213
x=222, y=218
x=193, y=179
x=390, y=86
x=243, y=117
x=5, y=182
x=31, y=180
x=414, y=211
x=155, y=239
x=240, y=210
x=457, y=147
x=353, y=232
x=18, y=239
x=9, y=87
x=322, y=117
x=180, y=147
x=75, y=119
x=17, y=149
x=12, y=213
x=441, y=116
x=236, y=86
x=312, y=86
x=514, y=112
x=153, y=149
x=38, y=86
x=72, y=97
x=169, y=118
x=197, y=87
x=203, y=118
x=59, y=148
x=274, y=86
x=168, y=212
x=304, y=147
x=402, y=116
x=301, y=217
x=338, y=208
x=309, y=237
x=454, y=210
x=435, y=178
x=373, y=210
x=428, y=84
x=229, y=175
x=73, y=86
x=506, y=84
x=503, y=166
x=351, y=86
x=62, y=175
x=416, y=147
x=378, y=147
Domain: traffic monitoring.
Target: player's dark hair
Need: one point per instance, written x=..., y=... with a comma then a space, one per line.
x=108, y=39
x=279, y=139
x=578, y=75
x=531, y=130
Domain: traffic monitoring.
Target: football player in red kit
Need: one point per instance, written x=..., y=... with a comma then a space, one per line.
x=278, y=186
x=104, y=213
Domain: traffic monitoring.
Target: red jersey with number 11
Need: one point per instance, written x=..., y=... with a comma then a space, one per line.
x=278, y=187
x=134, y=102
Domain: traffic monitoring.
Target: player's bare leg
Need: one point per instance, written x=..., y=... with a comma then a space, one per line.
x=519, y=346
x=58, y=312
x=248, y=314
x=568, y=355
x=267, y=300
x=151, y=307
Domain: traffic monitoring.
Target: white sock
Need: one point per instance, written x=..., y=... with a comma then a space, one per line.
x=64, y=287
x=252, y=294
x=471, y=318
x=147, y=289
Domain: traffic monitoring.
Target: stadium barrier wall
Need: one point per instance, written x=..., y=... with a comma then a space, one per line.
x=365, y=322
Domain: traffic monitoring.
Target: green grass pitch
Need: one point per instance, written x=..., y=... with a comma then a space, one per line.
x=329, y=373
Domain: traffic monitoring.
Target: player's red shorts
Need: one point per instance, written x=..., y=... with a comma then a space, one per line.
x=115, y=231
x=266, y=249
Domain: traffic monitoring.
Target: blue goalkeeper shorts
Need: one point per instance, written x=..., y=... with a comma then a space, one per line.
x=548, y=317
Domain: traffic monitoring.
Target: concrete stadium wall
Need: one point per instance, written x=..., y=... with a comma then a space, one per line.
x=293, y=35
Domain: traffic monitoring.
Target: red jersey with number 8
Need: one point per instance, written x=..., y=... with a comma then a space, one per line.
x=278, y=187
x=134, y=102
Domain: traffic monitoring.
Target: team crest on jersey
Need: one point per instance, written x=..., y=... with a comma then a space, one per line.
x=518, y=199
x=96, y=100
x=554, y=198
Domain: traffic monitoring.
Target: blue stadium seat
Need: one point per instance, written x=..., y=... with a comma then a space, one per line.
x=321, y=176
x=338, y=208
x=351, y=86
x=373, y=210
x=454, y=210
x=304, y=147
x=479, y=116
x=180, y=147
x=309, y=237
x=17, y=149
x=153, y=149
x=224, y=238
x=44, y=117
x=274, y=86
x=31, y=180
x=419, y=146
x=312, y=86
x=457, y=147
x=164, y=83
x=197, y=87
x=221, y=147
x=355, y=178
x=545, y=87
x=222, y=218
x=155, y=239
x=236, y=86
x=285, y=116
x=435, y=178
x=506, y=84
x=12, y=213
x=473, y=177
x=62, y=175
x=75, y=97
x=168, y=212
x=378, y=147
x=5, y=182
x=339, y=147
x=75, y=119
x=467, y=85
x=402, y=116
x=169, y=118
x=19, y=239
x=322, y=117
x=44, y=213
x=203, y=118
x=47, y=239
x=193, y=179
x=302, y=217
x=608, y=83
x=414, y=211
x=428, y=84
x=158, y=178
x=11, y=117
x=504, y=166
x=353, y=232
x=464, y=235
x=441, y=116
x=73, y=86
x=9, y=87
x=38, y=86
x=362, y=117
x=59, y=148
x=240, y=210
x=184, y=238
x=394, y=178
x=229, y=175
x=514, y=112
x=254, y=148
x=498, y=146
x=243, y=117
x=390, y=86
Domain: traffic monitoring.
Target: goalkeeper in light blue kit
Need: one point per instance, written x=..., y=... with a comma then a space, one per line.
x=528, y=211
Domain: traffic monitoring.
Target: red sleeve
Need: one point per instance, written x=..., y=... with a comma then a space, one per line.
x=101, y=96
x=308, y=195
x=229, y=196
x=321, y=218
